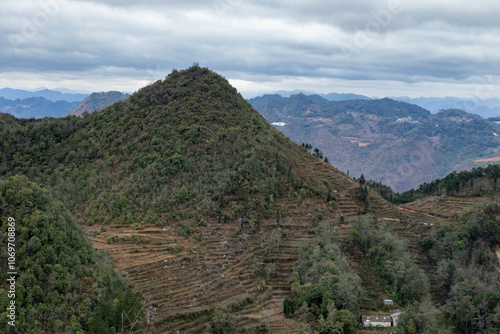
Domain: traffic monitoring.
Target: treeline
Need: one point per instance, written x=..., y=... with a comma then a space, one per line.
x=467, y=269
x=63, y=285
x=324, y=287
x=467, y=276
x=480, y=181
x=404, y=281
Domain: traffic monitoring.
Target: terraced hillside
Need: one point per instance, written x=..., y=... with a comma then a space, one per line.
x=233, y=263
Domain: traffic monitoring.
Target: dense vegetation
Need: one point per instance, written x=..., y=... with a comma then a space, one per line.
x=324, y=286
x=478, y=182
x=468, y=269
x=404, y=281
x=63, y=284
x=189, y=148
x=467, y=276
x=187, y=144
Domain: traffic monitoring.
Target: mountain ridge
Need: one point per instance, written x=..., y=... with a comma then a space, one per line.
x=35, y=107
x=185, y=184
x=400, y=144
x=50, y=95
x=97, y=102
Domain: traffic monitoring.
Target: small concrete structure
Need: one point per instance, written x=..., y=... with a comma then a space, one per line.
x=388, y=302
x=376, y=321
x=395, y=315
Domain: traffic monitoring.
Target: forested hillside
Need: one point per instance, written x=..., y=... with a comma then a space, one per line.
x=479, y=182
x=186, y=144
x=63, y=285
x=188, y=161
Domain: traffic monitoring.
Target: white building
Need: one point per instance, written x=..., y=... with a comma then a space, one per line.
x=395, y=315
x=376, y=321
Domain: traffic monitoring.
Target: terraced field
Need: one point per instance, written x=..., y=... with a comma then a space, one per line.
x=444, y=206
x=222, y=264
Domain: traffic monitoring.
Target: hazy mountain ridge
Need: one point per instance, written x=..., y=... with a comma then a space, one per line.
x=484, y=108
x=37, y=107
x=51, y=95
x=400, y=144
x=97, y=102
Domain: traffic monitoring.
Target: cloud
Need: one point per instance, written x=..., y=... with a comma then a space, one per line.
x=366, y=46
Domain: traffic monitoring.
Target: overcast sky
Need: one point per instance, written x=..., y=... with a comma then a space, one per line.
x=371, y=47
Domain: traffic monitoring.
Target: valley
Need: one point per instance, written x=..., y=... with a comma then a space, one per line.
x=396, y=143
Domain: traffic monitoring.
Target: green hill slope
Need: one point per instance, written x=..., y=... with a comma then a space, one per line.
x=189, y=143
x=180, y=168
x=62, y=284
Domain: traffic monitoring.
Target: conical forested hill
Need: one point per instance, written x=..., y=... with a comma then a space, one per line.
x=189, y=143
x=198, y=200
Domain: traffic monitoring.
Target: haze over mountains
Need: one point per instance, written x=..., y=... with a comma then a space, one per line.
x=486, y=108
x=97, y=102
x=49, y=103
x=50, y=95
x=400, y=144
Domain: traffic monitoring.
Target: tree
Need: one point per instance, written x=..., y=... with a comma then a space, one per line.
x=223, y=321
x=288, y=308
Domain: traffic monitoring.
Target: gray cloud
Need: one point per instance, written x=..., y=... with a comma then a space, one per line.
x=365, y=46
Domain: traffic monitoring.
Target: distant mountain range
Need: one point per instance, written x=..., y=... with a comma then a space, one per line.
x=49, y=103
x=484, y=108
x=35, y=107
x=400, y=144
x=329, y=96
x=51, y=95
x=97, y=102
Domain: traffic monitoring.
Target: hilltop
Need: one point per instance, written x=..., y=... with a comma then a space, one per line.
x=399, y=144
x=97, y=102
x=190, y=141
x=185, y=171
